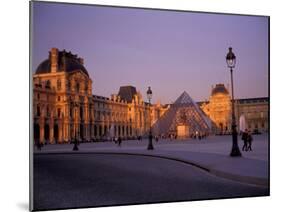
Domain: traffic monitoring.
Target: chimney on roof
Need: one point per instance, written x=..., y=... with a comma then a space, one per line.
x=81, y=61
x=54, y=60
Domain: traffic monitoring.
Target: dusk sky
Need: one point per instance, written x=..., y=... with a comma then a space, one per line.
x=170, y=51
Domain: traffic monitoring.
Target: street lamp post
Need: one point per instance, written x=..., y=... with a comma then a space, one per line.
x=231, y=61
x=149, y=96
x=75, y=147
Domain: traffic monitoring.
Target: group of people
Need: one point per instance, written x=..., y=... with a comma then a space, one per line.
x=248, y=139
x=198, y=135
x=118, y=140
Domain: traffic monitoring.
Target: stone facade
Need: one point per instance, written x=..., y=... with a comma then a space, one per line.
x=64, y=107
x=256, y=112
x=218, y=108
x=62, y=99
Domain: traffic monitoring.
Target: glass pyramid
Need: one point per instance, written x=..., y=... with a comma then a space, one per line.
x=183, y=119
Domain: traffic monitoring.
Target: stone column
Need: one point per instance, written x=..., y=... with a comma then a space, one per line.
x=66, y=132
x=42, y=135
x=60, y=125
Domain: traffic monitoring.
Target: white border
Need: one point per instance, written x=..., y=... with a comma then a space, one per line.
x=14, y=116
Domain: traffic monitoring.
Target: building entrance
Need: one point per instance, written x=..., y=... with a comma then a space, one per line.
x=182, y=131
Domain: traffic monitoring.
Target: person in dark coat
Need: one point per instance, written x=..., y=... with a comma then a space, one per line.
x=38, y=144
x=249, y=141
x=245, y=139
x=119, y=141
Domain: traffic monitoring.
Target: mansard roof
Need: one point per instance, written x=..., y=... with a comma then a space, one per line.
x=127, y=93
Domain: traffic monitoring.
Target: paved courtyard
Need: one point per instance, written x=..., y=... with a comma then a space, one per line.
x=83, y=180
x=176, y=170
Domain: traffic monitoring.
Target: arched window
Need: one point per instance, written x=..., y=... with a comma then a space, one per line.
x=59, y=84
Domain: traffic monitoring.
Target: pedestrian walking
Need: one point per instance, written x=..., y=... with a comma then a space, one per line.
x=249, y=141
x=245, y=139
x=38, y=144
x=196, y=134
x=119, y=141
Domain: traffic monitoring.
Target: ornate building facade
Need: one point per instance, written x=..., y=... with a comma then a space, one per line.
x=64, y=107
x=256, y=112
x=218, y=108
x=62, y=98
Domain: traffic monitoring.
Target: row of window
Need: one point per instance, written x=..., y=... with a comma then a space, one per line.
x=118, y=130
x=256, y=125
x=48, y=111
x=110, y=106
x=59, y=85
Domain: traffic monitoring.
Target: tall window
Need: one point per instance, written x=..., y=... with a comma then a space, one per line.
x=69, y=85
x=71, y=112
x=59, y=84
x=86, y=87
x=81, y=113
x=77, y=87
x=48, y=84
x=48, y=111
x=59, y=112
x=38, y=110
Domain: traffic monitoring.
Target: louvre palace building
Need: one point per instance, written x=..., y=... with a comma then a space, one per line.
x=64, y=108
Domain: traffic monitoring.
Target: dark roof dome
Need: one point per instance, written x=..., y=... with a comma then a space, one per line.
x=220, y=88
x=66, y=62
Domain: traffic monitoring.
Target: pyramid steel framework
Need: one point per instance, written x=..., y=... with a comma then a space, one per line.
x=184, y=111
